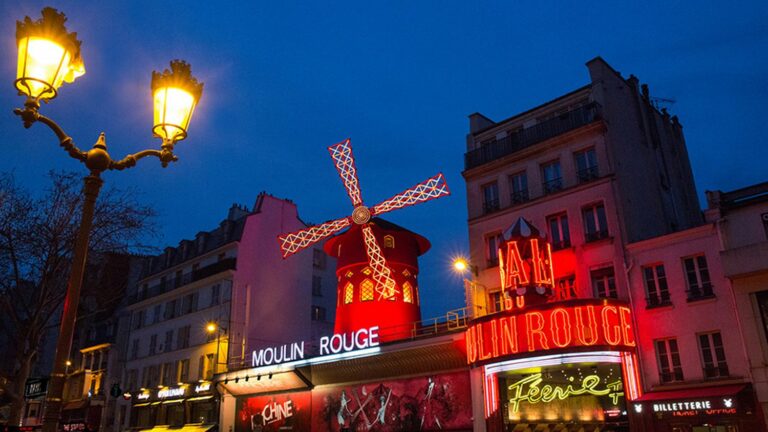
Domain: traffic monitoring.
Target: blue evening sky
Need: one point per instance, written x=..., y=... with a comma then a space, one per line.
x=284, y=80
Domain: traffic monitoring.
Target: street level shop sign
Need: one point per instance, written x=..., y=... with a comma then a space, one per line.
x=589, y=324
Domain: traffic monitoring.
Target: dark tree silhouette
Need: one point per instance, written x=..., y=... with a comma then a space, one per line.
x=37, y=237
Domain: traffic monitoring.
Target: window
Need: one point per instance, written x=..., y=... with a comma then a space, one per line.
x=603, y=282
x=407, y=292
x=492, y=244
x=215, y=294
x=182, y=337
x=490, y=197
x=518, y=186
x=349, y=293
x=558, y=231
x=205, y=367
x=154, y=376
x=145, y=378
x=134, y=349
x=131, y=380
x=586, y=165
x=168, y=374
x=552, y=178
x=317, y=286
x=495, y=302
x=366, y=290
x=168, y=345
x=697, y=276
x=565, y=288
x=668, y=359
x=389, y=242
x=656, y=290
x=764, y=217
x=318, y=313
x=761, y=298
x=138, y=319
x=152, y=344
x=595, y=225
x=177, y=279
x=189, y=303
x=182, y=370
x=170, y=310
x=157, y=314
x=318, y=259
x=712, y=355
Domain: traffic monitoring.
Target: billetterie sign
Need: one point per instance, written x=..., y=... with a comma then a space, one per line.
x=549, y=328
x=334, y=344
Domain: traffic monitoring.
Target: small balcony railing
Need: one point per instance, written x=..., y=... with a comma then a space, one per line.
x=671, y=376
x=491, y=206
x=529, y=136
x=658, y=301
x=596, y=235
x=519, y=197
x=587, y=174
x=560, y=244
x=552, y=186
x=719, y=371
x=700, y=292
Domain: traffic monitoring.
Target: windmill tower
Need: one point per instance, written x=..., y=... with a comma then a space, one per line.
x=361, y=244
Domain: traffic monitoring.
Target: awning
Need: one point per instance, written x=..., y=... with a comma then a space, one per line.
x=74, y=405
x=192, y=427
x=141, y=405
x=174, y=401
x=199, y=398
x=692, y=393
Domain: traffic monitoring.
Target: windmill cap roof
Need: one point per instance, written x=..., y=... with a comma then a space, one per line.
x=330, y=246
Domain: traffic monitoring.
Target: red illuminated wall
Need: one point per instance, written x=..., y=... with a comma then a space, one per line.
x=401, y=249
x=444, y=403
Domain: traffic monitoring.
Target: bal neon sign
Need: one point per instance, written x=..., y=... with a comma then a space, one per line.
x=532, y=267
x=530, y=390
x=588, y=323
x=335, y=344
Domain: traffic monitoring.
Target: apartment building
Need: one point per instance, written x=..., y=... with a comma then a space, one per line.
x=741, y=217
x=599, y=167
x=199, y=306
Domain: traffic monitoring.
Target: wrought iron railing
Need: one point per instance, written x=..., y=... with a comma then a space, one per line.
x=523, y=138
x=201, y=273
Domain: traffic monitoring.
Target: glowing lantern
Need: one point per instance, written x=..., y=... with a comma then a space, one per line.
x=48, y=55
x=175, y=93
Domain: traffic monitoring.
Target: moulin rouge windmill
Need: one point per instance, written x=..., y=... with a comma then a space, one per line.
x=341, y=153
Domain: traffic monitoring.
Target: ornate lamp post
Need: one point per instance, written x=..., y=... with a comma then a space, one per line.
x=49, y=56
x=462, y=267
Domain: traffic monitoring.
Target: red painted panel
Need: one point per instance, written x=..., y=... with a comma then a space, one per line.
x=279, y=412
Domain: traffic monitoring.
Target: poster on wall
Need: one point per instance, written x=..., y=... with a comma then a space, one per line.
x=429, y=403
x=280, y=412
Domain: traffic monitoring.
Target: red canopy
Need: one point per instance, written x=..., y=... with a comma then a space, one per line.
x=693, y=393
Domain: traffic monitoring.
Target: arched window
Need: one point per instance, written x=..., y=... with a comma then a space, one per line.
x=389, y=242
x=407, y=292
x=366, y=290
x=349, y=294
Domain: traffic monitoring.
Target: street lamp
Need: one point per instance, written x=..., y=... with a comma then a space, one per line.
x=462, y=267
x=211, y=328
x=49, y=56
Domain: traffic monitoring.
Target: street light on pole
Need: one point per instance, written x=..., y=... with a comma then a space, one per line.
x=462, y=267
x=211, y=328
x=48, y=57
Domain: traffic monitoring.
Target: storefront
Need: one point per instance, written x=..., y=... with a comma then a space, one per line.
x=401, y=386
x=556, y=366
x=728, y=408
x=191, y=407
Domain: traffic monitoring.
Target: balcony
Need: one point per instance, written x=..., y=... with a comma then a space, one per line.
x=519, y=197
x=196, y=275
x=586, y=175
x=594, y=236
x=527, y=137
x=656, y=301
x=719, y=371
x=702, y=292
x=552, y=186
x=490, y=206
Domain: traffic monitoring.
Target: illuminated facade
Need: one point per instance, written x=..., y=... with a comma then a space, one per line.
x=199, y=306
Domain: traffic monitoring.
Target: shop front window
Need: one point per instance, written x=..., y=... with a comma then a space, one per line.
x=203, y=412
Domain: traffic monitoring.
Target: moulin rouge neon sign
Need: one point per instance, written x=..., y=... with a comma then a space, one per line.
x=592, y=323
x=530, y=390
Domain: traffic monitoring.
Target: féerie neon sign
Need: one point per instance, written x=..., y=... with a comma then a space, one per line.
x=530, y=390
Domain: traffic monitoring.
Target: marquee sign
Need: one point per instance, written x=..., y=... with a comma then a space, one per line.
x=583, y=323
x=335, y=344
x=531, y=390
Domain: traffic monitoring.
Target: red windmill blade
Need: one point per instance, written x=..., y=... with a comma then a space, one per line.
x=341, y=153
